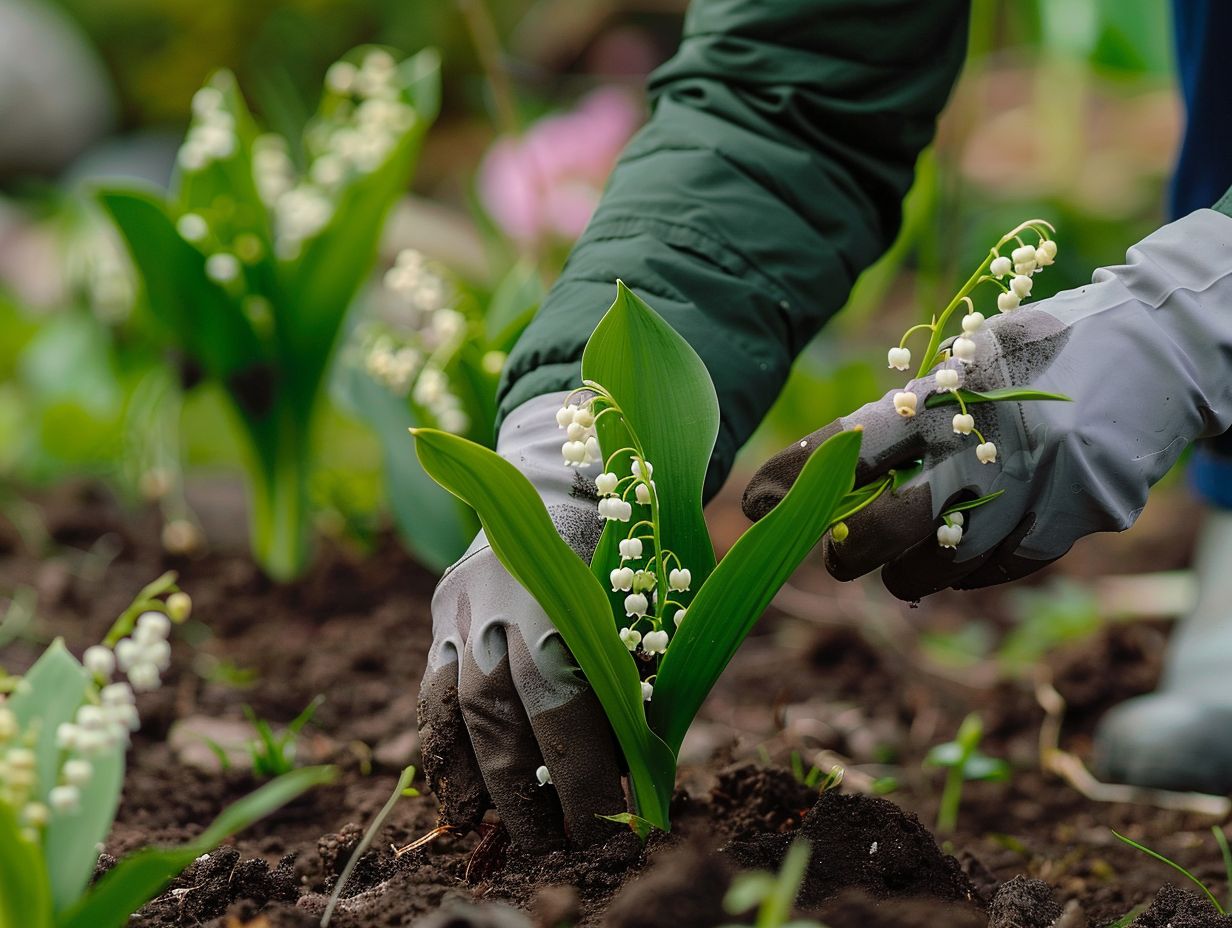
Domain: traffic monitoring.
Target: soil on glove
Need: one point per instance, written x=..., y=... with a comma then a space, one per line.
x=836, y=674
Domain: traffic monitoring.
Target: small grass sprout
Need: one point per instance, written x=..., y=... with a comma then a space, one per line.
x=1220, y=839
x=963, y=762
x=272, y=754
x=772, y=895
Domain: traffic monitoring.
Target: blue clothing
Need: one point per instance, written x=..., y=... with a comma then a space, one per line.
x=1202, y=31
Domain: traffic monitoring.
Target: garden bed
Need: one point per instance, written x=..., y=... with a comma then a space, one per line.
x=837, y=670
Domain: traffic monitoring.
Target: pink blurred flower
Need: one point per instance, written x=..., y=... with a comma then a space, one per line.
x=545, y=185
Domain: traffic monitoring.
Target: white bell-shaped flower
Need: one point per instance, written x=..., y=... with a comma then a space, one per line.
x=947, y=379
x=630, y=638
x=1023, y=254
x=622, y=579
x=1021, y=285
x=630, y=549
x=905, y=403
x=899, y=358
x=636, y=469
x=948, y=536
x=963, y=423
x=606, y=483
x=99, y=661
x=986, y=452
x=585, y=416
x=636, y=604
x=642, y=492
x=963, y=349
x=679, y=616
x=1008, y=301
x=543, y=776
x=678, y=580
x=575, y=432
x=972, y=322
x=647, y=691
x=574, y=453
x=1000, y=266
x=565, y=415
x=956, y=518
x=654, y=642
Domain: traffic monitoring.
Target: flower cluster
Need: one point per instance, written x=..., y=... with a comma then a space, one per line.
x=1011, y=275
x=581, y=449
x=420, y=336
x=101, y=724
x=211, y=137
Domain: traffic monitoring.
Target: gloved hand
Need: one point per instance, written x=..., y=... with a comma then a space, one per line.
x=501, y=695
x=1145, y=353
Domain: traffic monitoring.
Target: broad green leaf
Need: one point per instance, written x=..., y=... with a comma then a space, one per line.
x=434, y=525
x=135, y=880
x=668, y=399
x=208, y=322
x=1006, y=395
x=758, y=564
x=513, y=303
x=525, y=541
x=55, y=688
x=25, y=892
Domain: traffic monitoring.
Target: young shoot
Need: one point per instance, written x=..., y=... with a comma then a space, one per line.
x=1220, y=839
x=252, y=259
x=271, y=754
x=773, y=896
x=963, y=762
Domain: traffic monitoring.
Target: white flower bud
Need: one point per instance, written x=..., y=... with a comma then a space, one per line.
x=622, y=579
x=1000, y=266
x=1047, y=248
x=66, y=736
x=956, y=518
x=1023, y=254
x=612, y=507
x=77, y=772
x=679, y=617
x=179, y=606
x=947, y=379
x=963, y=349
x=543, y=776
x=630, y=548
x=972, y=322
x=1021, y=285
x=964, y=422
x=65, y=800
x=20, y=759
x=158, y=653
x=630, y=638
x=192, y=228
x=1008, y=301
x=948, y=536
x=647, y=691
x=642, y=492
x=679, y=580
x=905, y=403
x=35, y=814
x=636, y=469
x=144, y=677
x=986, y=452
x=899, y=358
x=644, y=581
x=575, y=432
x=584, y=416
x=222, y=268
x=606, y=483
x=152, y=626
x=654, y=642
x=117, y=694
x=127, y=653
x=635, y=604
x=1027, y=267
x=99, y=661
x=592, y=450
x=565, y=415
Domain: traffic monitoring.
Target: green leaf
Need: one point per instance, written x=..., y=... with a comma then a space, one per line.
x=513, y=303
x=25, y=891
x=638, y=825
x=981, y=767
x=206, y=321
x=748, y=890
x=1175, y=866
x=669, y=402
x=434, y=526
x=758, y=564
x=973, y=504
x=1008, y=394
x=138, y=878
x=526, y=542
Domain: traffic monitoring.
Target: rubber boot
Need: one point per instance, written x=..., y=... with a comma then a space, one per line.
x=1180, y=737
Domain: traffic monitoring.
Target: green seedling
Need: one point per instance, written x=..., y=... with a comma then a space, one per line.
x=773, y=896
x=810, y=777
x=64, y=730
x=963, y=762
x=251, y=262
x=272, y=754
x=403, y=788
x=1220, y=839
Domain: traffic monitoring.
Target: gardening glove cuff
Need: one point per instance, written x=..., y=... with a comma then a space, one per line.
x=1143, y=352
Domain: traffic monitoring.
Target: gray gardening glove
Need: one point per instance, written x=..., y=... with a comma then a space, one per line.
x=1145, y=351
x=501, y=695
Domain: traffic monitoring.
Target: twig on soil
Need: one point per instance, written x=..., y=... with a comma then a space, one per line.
x=438, y=832
x=1074, y=772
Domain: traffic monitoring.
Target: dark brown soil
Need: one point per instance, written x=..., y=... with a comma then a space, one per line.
x=839, y=675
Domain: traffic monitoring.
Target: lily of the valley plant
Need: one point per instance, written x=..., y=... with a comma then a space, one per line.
x=253, y=260
x=64, y=730
x=651, y=620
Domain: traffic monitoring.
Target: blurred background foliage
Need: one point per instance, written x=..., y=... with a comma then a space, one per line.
x=1066, y=110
